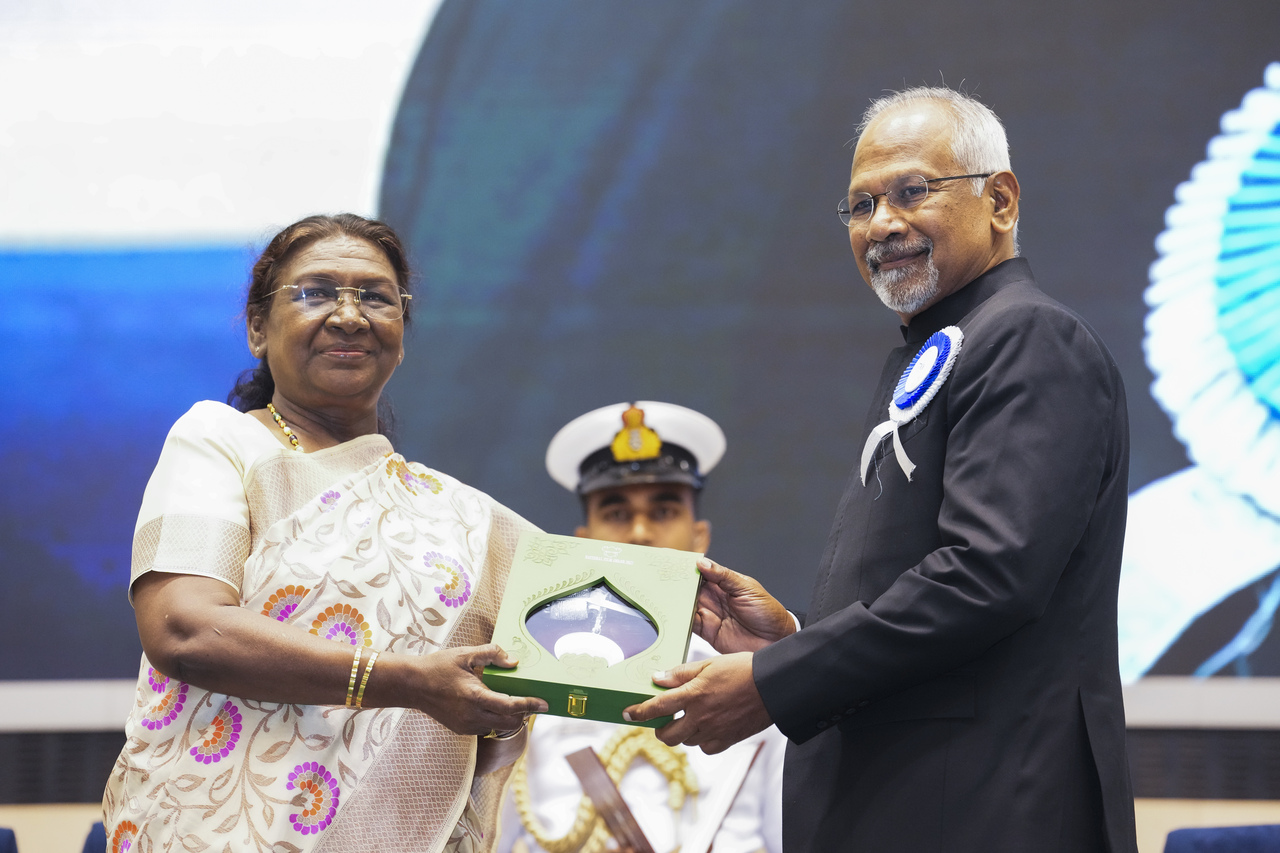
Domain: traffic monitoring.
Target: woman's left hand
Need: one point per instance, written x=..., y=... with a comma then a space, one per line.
x=496, y=753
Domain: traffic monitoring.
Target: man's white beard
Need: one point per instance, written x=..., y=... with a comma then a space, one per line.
x=908, y=289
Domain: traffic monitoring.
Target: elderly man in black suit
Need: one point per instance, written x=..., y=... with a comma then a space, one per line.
x=955, y=685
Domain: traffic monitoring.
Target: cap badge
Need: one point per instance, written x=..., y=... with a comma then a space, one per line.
x=916, y=388
x=635, y=441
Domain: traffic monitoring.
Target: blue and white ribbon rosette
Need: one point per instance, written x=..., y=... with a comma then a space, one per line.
x=919, y=384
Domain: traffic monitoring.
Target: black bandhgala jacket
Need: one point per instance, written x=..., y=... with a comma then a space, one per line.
x=955, y=686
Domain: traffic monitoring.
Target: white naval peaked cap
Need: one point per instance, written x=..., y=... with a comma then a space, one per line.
x=580, y=457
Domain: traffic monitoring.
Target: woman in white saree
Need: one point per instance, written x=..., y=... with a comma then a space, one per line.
x=314, y=610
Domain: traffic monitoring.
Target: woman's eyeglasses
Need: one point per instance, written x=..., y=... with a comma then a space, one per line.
x=321, y=298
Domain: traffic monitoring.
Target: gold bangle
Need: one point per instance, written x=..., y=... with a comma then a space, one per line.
x=373, y=658
x=355, y=668
x=494, y=734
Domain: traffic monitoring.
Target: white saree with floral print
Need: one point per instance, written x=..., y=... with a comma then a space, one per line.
x=351, y=543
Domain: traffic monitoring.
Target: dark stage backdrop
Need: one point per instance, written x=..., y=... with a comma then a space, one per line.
x=611, y=201
x=608, y=205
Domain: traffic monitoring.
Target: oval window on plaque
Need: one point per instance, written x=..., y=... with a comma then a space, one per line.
x=596, y=622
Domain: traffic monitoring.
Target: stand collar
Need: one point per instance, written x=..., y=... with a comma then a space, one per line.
x=957, y=306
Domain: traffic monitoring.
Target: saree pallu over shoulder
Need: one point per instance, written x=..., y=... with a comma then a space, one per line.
x=395, y=557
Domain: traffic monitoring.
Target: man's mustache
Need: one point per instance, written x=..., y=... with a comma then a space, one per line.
x=880, y=253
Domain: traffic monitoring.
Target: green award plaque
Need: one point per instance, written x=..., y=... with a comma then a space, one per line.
x=591, y=621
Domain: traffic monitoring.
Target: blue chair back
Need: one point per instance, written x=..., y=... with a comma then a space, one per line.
x=1225, y=839
x=96, y=841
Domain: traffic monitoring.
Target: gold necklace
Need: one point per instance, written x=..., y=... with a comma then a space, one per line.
x=293, y=439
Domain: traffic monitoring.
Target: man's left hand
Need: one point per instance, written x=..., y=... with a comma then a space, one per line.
x=720, y=702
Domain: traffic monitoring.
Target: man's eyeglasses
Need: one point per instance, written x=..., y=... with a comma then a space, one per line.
x=321, y=298
x=904, y=193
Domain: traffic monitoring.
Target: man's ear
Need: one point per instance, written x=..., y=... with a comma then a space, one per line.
x=701, y=535
x=1005, y=193
x=581, y=533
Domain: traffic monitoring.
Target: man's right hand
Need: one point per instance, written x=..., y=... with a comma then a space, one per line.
x=735, y=613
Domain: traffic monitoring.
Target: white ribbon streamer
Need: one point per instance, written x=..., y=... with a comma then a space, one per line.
x=873, y=441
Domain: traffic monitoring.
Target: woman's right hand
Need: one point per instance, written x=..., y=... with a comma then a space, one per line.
x=446, y=685
x=194, y=629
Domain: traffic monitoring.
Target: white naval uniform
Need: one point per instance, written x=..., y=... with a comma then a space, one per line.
x=753, y=823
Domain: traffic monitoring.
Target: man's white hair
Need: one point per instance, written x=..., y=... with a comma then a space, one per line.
x=978, y=141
